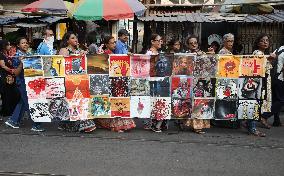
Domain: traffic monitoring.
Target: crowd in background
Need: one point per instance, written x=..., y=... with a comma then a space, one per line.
x=14, y=95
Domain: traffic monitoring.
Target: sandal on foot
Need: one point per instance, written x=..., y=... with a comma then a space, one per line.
x=156, y=130
x=198, y=131
x=257, y=133
x=263, y=121
x=89, y=130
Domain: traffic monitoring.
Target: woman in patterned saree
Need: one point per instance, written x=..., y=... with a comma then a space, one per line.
x=197, y=125
x=261, y=47
x=69, y=46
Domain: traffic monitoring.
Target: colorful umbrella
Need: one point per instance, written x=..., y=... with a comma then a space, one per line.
x=107, y=9
x=49, y=6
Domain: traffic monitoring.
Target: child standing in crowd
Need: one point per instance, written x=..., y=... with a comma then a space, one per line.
x=115, y=124
x=22, y=105
x=69, y=46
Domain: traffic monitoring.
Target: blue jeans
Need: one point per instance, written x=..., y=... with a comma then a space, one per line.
x=22, y=106
x=251, y=125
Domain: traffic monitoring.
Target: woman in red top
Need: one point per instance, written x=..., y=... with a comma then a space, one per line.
x=115, y=124
x=109, y=44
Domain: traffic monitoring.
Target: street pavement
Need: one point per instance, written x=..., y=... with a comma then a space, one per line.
x=219, y=152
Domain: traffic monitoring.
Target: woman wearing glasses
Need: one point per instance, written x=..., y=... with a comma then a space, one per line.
x=114, y=124
x=197, y=125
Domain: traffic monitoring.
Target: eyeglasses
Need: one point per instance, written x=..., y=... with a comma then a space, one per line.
x=193, y=43
x=230, y=41
x=264, y=40
x=160, y=40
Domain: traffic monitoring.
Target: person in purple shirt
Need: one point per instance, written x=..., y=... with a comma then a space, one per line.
x=121, y=45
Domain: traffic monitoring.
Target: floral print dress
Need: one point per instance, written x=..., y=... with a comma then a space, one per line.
x=267, y=101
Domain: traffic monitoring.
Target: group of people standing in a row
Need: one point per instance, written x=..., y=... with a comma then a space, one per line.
x=15, y=101
x=274, y=77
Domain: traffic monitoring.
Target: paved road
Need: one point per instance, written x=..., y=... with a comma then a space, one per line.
x=219, y=152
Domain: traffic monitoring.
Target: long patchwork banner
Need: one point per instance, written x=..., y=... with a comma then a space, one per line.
x=165, y=86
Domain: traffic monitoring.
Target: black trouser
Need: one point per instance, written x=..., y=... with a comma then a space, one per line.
x=277, y=99
x=10, y=97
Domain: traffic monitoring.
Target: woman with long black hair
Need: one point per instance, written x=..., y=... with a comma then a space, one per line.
x=22, y=105
x=70, y=46
x=8, y=88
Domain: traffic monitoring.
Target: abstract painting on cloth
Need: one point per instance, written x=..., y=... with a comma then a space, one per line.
x=161, y=65
x=183, y=64
x=140, y=106
x=181, y=108
x=97, y=64
x=55, y=87
x=39, y=110
x=140, y=66
x=78, y=108
x=119, y=86
x=99, y=107
x=59, y=109
x=119, y=65
x=160, y=86
x=36, y=87
x=77, y=85
x=99, y=84
x=228, y=66
x=139, y=87
x=253, y=65
x=160, y=108
x=120, y=107
x=225, y=109
x=227, y=88
x=32, y=66
x=203, y=109
x=75, y=65
x=250, y=88
x=53, y=66
x=205, y=66
x=204, y=87
x=248, y=109
x=181, y=87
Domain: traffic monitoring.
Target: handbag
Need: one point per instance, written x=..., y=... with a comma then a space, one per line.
x=9, y=79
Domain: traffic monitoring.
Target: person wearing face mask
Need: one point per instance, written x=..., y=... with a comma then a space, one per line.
x=46, y=46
